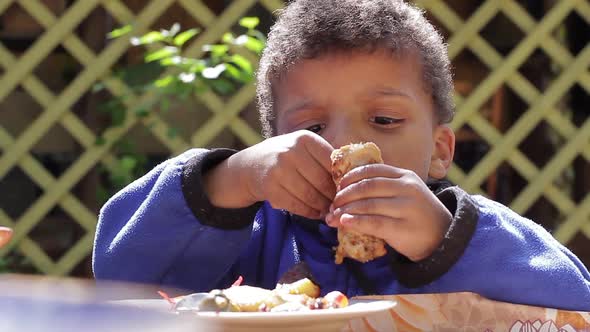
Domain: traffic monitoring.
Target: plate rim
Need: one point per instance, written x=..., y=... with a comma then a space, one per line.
x=354, y=310
x=357, y=308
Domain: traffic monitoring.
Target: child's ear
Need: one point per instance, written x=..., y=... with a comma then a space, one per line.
x=444, y=149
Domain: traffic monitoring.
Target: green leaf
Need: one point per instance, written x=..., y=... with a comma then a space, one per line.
x=197, y=67
x=171, y=61
x=164, y=81
x=120, y=31
x=141, y=74
x=162, y=53
x=128, y=163
x=250, y=43
x=238, y=75
x=258, y=35
x=149, y=38
x=175, y=88
x=200, y=87
x=232, y=71
x=216, y=50
x=213, y=72
x=222, y=86
x=185, y=36
x=249, y=22
x=243, y=63
x=228, y=38
x=183, y=90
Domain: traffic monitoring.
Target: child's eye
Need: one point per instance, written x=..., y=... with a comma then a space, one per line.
x=385, y=120
x=316, y=128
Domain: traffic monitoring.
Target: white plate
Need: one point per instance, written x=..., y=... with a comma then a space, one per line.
x=314, y=320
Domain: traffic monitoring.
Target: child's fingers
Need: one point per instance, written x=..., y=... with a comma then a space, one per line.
x=379, y=187
x=315, y=174
x=301, y=188
x=371, y=171
x=395, y=232
x=319, y=149
x=375, y=225
x=284, y=199
x=387, y=207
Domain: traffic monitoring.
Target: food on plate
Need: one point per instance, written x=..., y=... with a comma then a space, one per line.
x=301, y=295
x=352, y=244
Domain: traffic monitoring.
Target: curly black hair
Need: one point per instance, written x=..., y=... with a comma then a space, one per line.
x=307, y=29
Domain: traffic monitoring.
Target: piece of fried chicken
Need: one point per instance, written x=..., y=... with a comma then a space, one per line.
x=352, y=244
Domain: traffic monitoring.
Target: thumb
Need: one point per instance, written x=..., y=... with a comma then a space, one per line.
x=320, y=150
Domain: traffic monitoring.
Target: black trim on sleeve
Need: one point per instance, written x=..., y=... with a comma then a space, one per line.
x=196, y=197
x=465, y=216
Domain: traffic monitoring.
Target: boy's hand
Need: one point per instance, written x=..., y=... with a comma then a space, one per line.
x=392, y=204
x=291, y=172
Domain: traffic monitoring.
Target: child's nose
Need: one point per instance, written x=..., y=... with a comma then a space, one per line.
x=343, y=137
x=342, y=131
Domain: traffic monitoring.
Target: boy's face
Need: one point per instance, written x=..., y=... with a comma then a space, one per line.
x=360, y=97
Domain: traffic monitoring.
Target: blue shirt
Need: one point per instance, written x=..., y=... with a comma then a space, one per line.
x=161, y=229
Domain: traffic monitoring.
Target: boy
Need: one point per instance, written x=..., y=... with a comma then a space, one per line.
x=337, y=72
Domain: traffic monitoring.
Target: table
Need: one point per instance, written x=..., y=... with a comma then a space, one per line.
x=38, y=303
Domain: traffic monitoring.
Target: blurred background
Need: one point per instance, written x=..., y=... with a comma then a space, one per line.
x=93, y=94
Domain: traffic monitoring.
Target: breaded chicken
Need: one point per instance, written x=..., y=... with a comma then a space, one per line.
x=360, y=247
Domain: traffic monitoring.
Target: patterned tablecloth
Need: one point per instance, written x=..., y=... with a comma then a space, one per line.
x=467, y=312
